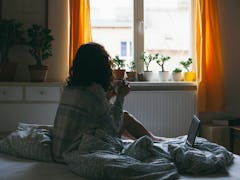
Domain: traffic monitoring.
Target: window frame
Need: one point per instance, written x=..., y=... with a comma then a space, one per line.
x=137, y=40
x=138, y=34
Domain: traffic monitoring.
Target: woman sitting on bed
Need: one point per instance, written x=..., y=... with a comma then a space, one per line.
x=84, y=105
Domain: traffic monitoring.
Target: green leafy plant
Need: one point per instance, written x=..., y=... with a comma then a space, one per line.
x=177, y=70
x=11, y=34
x=161, y=59
x=131, y=74
x=132, y=66
x=187, y=64
x=147, y=59
x=118, y=63
x=40, y=43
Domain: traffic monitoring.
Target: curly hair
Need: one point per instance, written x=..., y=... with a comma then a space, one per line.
x=92, y=64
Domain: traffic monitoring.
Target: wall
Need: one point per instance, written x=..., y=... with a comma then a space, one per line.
x=30, y=12
x=58, y=22
x=230, y=26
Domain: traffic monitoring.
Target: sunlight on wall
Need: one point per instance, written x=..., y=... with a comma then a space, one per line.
x=58, y=22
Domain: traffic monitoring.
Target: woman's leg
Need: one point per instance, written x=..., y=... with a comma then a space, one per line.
x=134, y=129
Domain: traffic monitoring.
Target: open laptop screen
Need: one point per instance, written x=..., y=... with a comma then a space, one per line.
x=193, y=130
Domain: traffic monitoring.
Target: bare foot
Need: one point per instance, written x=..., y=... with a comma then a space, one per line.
x=159, y=139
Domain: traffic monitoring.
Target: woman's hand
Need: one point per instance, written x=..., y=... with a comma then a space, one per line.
x=122, y=88
x=110, y=93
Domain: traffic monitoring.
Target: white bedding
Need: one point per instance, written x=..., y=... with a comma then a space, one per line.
x=33, y=142
x=12, y=168
x=234, y=172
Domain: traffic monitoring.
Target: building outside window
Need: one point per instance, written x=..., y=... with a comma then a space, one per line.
x=124, y=48
x=129, y=27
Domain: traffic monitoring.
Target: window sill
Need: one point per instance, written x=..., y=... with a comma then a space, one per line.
x=135, y=85
x=15, y=83
x=168, y=86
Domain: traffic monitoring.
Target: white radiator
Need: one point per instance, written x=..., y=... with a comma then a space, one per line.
x=164, y=113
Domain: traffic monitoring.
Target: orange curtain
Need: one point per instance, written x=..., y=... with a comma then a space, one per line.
x=80, y=26
x=209, y=57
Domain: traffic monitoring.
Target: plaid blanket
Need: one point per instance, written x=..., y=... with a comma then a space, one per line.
x=100, y=156
x=82, y=110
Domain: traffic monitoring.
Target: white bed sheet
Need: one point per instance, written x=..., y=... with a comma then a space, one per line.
x=12, y=168
x=234, y=173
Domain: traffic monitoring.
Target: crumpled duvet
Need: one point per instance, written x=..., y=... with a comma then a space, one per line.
x=204, y=158
x=99, y=156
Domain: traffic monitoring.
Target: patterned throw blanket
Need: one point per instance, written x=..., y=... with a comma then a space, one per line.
x=99, y=156
x=102, y=157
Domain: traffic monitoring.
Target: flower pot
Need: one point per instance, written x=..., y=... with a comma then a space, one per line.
x=38, y=73
x=189, y=76
x=131, y=76
x=177, y=76
x=119, y=74
x=140, y=77
x=148, y=75
x=163, y=76
x=8, y=71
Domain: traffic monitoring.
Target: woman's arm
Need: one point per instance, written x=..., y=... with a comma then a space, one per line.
x=121, y=89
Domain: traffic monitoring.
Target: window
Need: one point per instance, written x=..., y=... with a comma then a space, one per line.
x=129, y=27
x=112, y=26
x=124, y=48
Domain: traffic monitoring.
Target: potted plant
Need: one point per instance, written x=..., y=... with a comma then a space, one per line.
x=40, y=47
x=11, y=34
x=131, y=75
x=177, y=74
x=118, y=65
x=188, y=75
x=147, y=59
x=161, y=60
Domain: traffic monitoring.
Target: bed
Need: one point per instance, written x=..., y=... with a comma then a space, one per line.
x=21, y=168
x=12, y=168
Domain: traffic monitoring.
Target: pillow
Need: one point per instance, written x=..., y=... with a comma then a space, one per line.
x=30, y=141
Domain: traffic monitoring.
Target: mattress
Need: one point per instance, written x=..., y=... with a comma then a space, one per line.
x=12, y=168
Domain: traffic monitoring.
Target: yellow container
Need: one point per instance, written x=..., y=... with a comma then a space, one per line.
x=189, y=76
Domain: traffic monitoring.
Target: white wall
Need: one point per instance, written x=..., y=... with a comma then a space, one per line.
x=58, y=22
x=33, y=12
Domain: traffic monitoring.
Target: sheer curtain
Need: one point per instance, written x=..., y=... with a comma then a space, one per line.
x=80, y=26
x=209, y=57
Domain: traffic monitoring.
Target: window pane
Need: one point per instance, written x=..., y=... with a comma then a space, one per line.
x=124, y=48
x=167, y=30
x=112, y=26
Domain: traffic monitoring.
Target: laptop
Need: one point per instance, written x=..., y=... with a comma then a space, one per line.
x=192, y=131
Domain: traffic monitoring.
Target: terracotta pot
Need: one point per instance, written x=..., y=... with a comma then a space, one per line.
x=131, y=76
x=8, y=71
x=119, y=74
x=140, y=77
x=38, y=73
